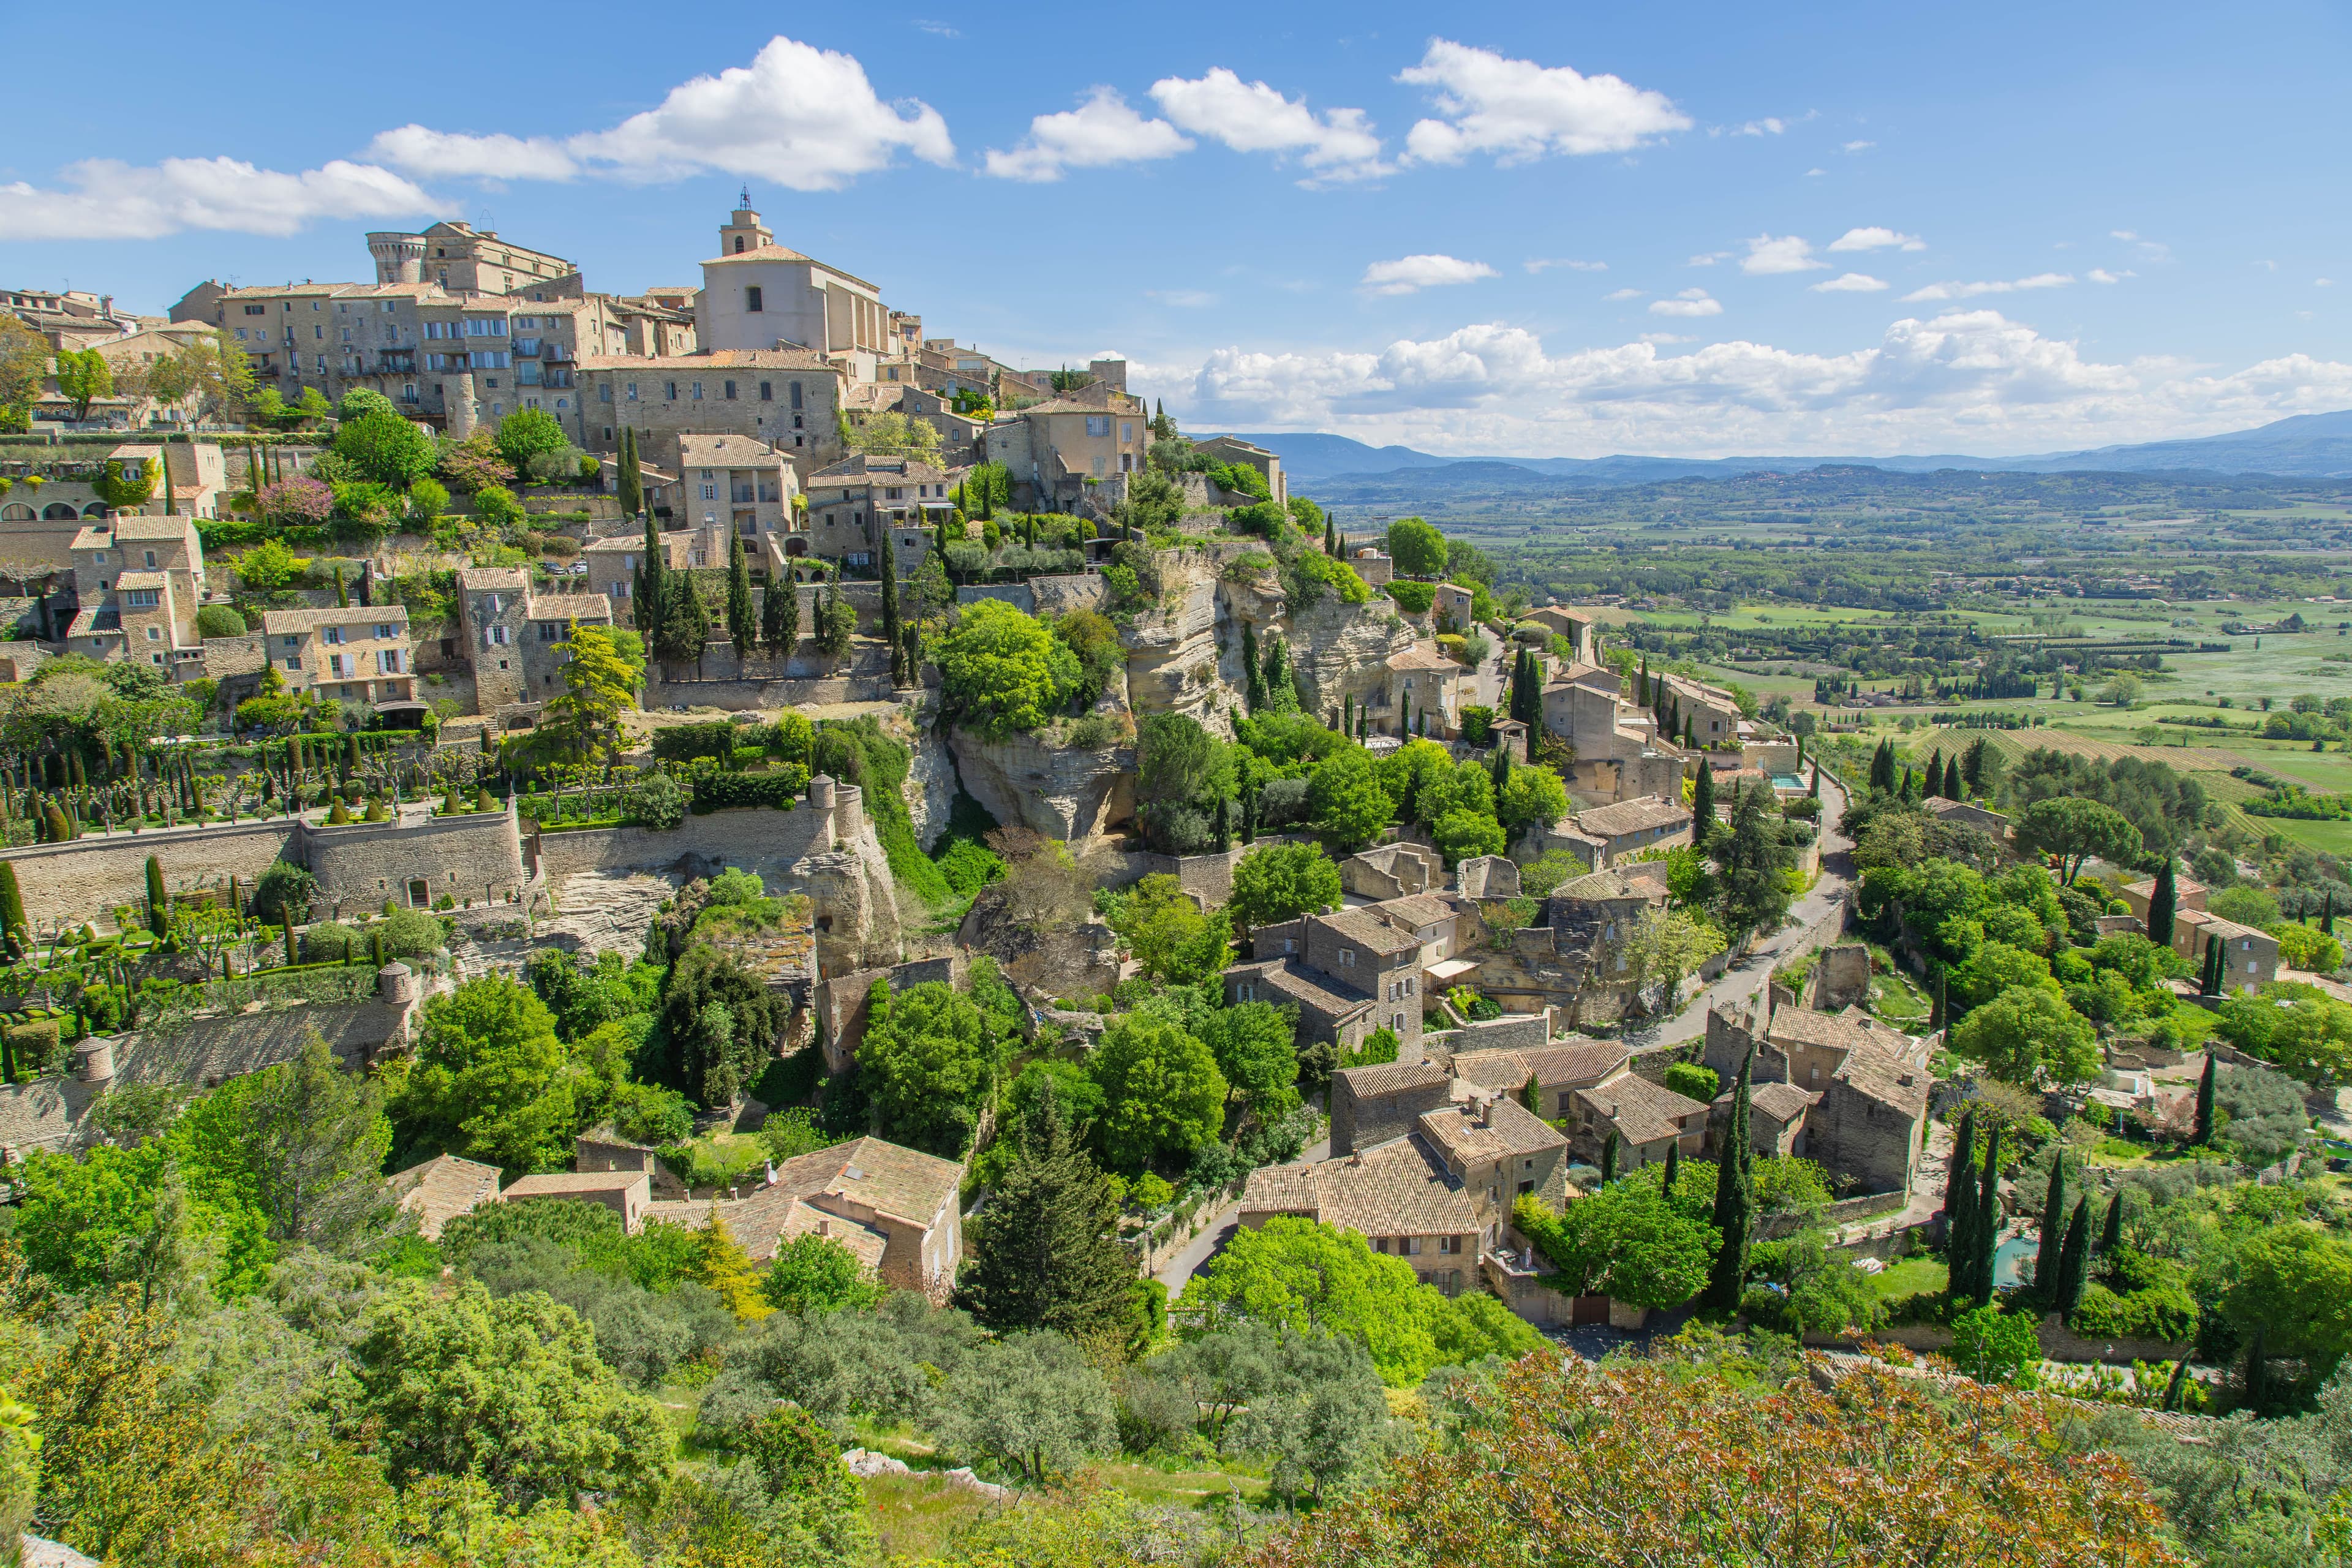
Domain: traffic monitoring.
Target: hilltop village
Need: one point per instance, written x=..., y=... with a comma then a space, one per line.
x=894, y=906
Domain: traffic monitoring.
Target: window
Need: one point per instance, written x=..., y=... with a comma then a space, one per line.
x=550, y=631
x=151, y=561
x=767, y=392
x=144, y=599
x=1126, y=430
x=728, y=387
x=498, y=637
x=1097, y=424
x=751, y=294
x=292, y=642
x=1412, y=1247
x=698, y=392
x=389, y=660
x=794, y=390
x=1347, y=957
x=255, y=310
x=383, y=632
x=670, y=391
x=331, y=635
x=711, y=492
x=629, y=394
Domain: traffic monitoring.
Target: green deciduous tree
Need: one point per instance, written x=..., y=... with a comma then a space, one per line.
x=1464, y=834
x=1175, y=942
x=1752, y=891
x=452, y=1382
x=722, y=1022
x=1253, y=1047
x=1345, y=798
x=1004, y=671
x=1417, y=549
x=1033, y=1402
x=599, y=686
x=813, y=1273
x=83, y=377
x=2028, y=1035
x=489, y=1079
x=529, y=433
x=928, y=1064
x=1282, y=881
x=1163, y=1094
x=2073, y=830
x=384, y=448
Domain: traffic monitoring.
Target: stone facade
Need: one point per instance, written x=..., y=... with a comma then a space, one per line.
x=1372, y=1104
x=353, y=652
x=789, y=399
x=477, y=856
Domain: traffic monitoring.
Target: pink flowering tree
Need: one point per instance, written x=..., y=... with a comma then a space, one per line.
x=296, y=502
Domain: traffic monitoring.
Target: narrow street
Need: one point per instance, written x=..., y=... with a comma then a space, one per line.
x=1219, y=1231
x=1753, y=973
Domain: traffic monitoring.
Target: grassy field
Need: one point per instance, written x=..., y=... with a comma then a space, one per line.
x=1912, y=1276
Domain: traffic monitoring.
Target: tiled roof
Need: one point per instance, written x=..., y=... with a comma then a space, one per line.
x=2146, y=887
x=1886, y=1079
x=866, y=465
x=1367, y=930
x=1575, y=1060
x=1783, y=1102
x=1491, y=1069
x=139, y=526
x=1295, y=982
x=574, y=1183
x=1642, y=1111
x=1396, y=1188
x=274, y=622
x=904, y=1184
x=1634, y=816
x=700, y=449
x=1494, y=1128
x=1419, y=658
x=489, y=579
x=571, y=607
x=1392, y=1077
x=1412, y=912
x=1602, y=886
x=1835, y=1031
x=441, y=1189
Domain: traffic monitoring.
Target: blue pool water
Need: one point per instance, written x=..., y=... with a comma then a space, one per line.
x=1787, y=781
x=2006, y=1260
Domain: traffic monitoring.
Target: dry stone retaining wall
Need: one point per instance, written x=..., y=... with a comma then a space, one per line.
x=79, y=881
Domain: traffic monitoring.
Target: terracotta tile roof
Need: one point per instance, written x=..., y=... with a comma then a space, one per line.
x=1504, y=1070
x=486, y=579
x=1367, y=930
x=1642, y=1111
x=1602, y=886
x=1419, y=658
x=277, y=622
x=1634, y=816
x=1392, y=1077
x=1412, y=912
x=1396, y=1188
x=441, y=1189
x=903, y=1183
x=1783, y=1102
x=574, y=1185
x=1575, y=1062
x=2146, y=887
x=1293, y=981
x=1835, y=1031
x=570, y=606
x=1493, y=1129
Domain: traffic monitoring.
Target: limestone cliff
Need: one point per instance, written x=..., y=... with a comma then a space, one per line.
x=1342, y=650
x=856, y=898
x=1058, y=791
x=1182, y=654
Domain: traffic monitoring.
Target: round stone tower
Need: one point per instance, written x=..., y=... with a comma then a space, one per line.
x=396, y=983
x=399, y=257
x=459, y=413
x=94, y=1059
x=848, y=811
x=821, y=792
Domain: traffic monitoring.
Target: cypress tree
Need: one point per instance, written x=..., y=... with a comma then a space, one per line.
x=1254, y=692
x=158, y=905
x=2327, y=915
x=899, y=670
x=1498, y=769
x=1934, y=781
x=1960, y=1207
x=2046, y=1261
x=742, y=626
x=1348, y=714
x=12, y=912
x=1363, y=724
x=1703, y=800
x=1734, y=1202
x=631, y=480
x=2111, y=1234
x=2205, y=1097
x=779, y=605
x=1045, y=1251
x=1881, y=767
x=343, y=594
x=2162, y=905
x=1673, y=1163
x=1985, y=1234
x=1610, y=1146
x=2175, y=1385
x=2074, y=1259
x=1224, y=831
x=1815, y=790
x=1953, y=788
x=1249, y=818
x=912, y=637
x=2211, y=983
x=651, y=587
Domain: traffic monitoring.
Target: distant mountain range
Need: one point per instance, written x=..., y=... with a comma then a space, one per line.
x=2308, y=446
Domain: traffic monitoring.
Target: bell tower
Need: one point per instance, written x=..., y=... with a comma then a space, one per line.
x=744, y=231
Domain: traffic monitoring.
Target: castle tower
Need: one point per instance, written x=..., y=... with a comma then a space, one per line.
x=744, y=231
x=399, y=257
x=848, y=811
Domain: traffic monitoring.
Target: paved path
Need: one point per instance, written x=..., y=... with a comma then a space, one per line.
x=1216, y=1233
x=1754, y=972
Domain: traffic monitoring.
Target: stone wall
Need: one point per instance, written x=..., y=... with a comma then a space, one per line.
x=80, y=880
x=1841, y=977
x=1209, y=878
x=1045, y=595
x=476, y=857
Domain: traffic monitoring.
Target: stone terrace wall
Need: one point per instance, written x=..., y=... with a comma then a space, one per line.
x=1209, y=878
x=477, y=857
x=750, y=836
x=80, y=880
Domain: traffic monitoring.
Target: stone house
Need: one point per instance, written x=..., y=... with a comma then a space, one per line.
x=1055, y=451
x=1776, y=1118
x=842, y=1000
x=1647, y=1117
x=1451, y=610
x=735, y=485
x=1713, y=717
x=853, y=502
x=138, y=583
x=517, y=638
x=2249, y=957
x=1398, y=1195
x=442, y=1188
x=895, y=1209
x=959, y=434
x=1580, y=627
x=1427, y=684
x=1630, y=826
x=1372, y=1104
x=1994, y=823
x=355, y=653
x=1351, y=974
x=2186, y=895
x=1619, y=754
x=1499, y=1151
x=1552, y=1074
x=788, y=399
x=628, y=1193
x=1427, y=919
x=1869, y=1116
x=1373, y=565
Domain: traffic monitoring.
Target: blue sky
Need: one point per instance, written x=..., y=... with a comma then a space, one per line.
x=1570, y=230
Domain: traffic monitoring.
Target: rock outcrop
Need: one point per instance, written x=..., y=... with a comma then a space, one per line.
x=1058, y=791
x=1342, y=651
x=857, y=903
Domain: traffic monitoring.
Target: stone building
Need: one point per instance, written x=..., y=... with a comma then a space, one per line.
x=1619, y=753
x=1372, y=1104
x=1351, y=974
x=628, y=1193
x=853, y=502
x=1549, y=1074
x=2250, y=955
x=1055, y=450
x=1397, y=1194
x=1393, y=870
x=2186, y=895
x=1868, y=1121
x=734, y=483
x=1236, y=452
x=790, y=399
x=1430, y=690
x=1712, y=716
x=138, y=583
x=354, y=653
x=758, y=295
x=1647, y=1117
x=461, y=259
x=517, y=638
x=1580, y=627
x=1630, y=826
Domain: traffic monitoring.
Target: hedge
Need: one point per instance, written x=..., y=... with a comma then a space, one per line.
x=684, y=742
x=782, y=788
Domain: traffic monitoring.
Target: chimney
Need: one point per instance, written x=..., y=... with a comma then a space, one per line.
x=825, y=1228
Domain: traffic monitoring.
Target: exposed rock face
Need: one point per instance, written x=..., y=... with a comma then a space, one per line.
x=1058, y=791
x=857, y=903
x=931, y=785
x=1342, y=651
x=1079, y=961
x=603, y=911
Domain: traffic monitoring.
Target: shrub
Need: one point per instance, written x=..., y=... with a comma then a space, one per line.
x=219, y=621
x=496, y=505
x=1415, y=599
x=780, y=787
x=1693, y=1080
x=2160, y=1312
x=658, y=800
x=684, y=742
x=296, y=502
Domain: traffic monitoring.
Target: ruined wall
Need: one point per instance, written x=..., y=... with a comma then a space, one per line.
x=82, y=879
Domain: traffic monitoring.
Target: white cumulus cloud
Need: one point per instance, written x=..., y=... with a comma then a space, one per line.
x=103, y=199
x=1251, y=117
x=1103, y=130
x=1408, y=273
x=1967, y=381
x=1859, y=146
x=1970, y=290
x=1622, y=294
x=1875, y=239
x=801, y=117
x=1768, y=126
x=1518, y=110
x=1689, y=302
x=1546, y=263
x=2101, y=275
x=1849, y=283
x=1767, y=254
